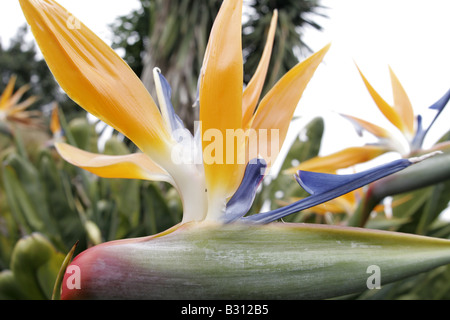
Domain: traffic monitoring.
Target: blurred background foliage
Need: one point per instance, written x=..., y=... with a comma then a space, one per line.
x=48, y=205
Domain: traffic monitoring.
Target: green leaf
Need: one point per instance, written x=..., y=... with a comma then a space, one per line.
x=56, y=295
x=27, y=192
x=424, y=174
x=59, y=202
x=82, y=132
x=436, y=203
x=158, y=216
x=9, y=288
x=20, y=203
x=35, y=264
x=9, y=234
x=275, y=261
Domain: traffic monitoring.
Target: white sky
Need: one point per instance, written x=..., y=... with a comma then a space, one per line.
x=96, y=14
x=412, y=36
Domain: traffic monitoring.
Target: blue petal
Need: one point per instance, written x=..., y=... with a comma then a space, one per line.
x=324, y=187
x=175, y=122
x=358, y=128
x=441, y=103
x=316, y=183
x=197, y=96
x=242, y=200
x=417, y=141
x=421, y=133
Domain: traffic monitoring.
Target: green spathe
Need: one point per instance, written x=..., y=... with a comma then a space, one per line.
x=236, y=261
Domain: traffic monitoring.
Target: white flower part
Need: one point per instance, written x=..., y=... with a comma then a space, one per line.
x=161, y=99
x=186, y=163
x=190, y=183
x=424, y=157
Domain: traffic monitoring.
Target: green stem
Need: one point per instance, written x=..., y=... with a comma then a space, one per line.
x=420, y=175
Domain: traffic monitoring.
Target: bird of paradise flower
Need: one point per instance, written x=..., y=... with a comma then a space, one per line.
x=217, y=192
x=400, y=114
x=12, y=110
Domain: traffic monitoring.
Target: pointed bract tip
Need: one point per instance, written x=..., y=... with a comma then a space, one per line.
x=424, y=157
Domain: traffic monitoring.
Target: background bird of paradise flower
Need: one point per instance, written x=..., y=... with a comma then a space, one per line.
x=39, y=187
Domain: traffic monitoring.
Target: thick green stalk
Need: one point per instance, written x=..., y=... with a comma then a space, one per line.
x=237, y=261
x=429, y=172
